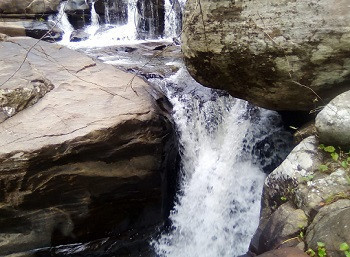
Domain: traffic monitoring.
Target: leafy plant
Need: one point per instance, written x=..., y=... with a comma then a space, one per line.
x=335, y=197
x=337, y=158
x=311, y=252
x=321, y=249
x=307, y=178
x=344, y=247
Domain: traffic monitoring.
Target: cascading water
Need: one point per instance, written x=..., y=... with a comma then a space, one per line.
x=173, y=20
x=217, y=207
x=95, y=21
x=142, y=22
x=63, y=23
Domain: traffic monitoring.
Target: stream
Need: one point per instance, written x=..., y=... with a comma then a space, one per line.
x=226, y=145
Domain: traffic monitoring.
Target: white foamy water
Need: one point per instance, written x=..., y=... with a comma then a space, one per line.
x=95, y=21
x=104, y=35
x=217, y=208
x=172, y=18
x=63, y=23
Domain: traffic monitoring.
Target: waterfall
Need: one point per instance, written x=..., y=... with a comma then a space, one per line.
x=217, y=208
x=173, y=20
x=107, y=17
x=63, y=23
x=95, y=23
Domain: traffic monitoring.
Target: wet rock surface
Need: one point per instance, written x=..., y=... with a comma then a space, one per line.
x=84, y=161
x=276, y=54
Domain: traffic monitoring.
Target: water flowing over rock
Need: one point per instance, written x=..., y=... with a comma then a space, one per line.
x=333, y=122
x=277, y=54
x=82, y=162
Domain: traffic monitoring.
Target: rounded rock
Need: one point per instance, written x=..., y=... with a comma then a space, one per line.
x=282, y=55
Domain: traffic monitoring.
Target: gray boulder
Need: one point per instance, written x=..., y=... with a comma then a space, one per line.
x=283, y=228
x=330, y=226
x=85, y=159
x=333, y=122
x=277, y=54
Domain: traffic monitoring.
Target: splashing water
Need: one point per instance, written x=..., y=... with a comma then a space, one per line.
x=95, y=21
x=63, y=23
x=217, y=208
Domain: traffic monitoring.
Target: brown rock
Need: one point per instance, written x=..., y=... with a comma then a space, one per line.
x=82, y=161
x=28, y=6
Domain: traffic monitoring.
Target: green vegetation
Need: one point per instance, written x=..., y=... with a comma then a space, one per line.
x=321, y=250
x=335, y=197
x=336, y=159
x=344, y=247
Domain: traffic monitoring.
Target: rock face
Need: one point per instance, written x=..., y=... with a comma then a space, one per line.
x=276, y=54
x=31, y=28
x=29, y=6
x=85, y=159
x=299, y=199
x=333, y=122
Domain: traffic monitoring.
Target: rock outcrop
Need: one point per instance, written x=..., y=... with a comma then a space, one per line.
x=81, y=158
x=282, y=55
x=303, y=204
x=36, y=29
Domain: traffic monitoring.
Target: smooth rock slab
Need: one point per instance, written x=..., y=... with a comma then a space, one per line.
x=333, y=122
x=85, y=159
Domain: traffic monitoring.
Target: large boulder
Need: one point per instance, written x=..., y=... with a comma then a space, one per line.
x=84, y=161
x=333, y=122
x=29, y=6
x=280, y=54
